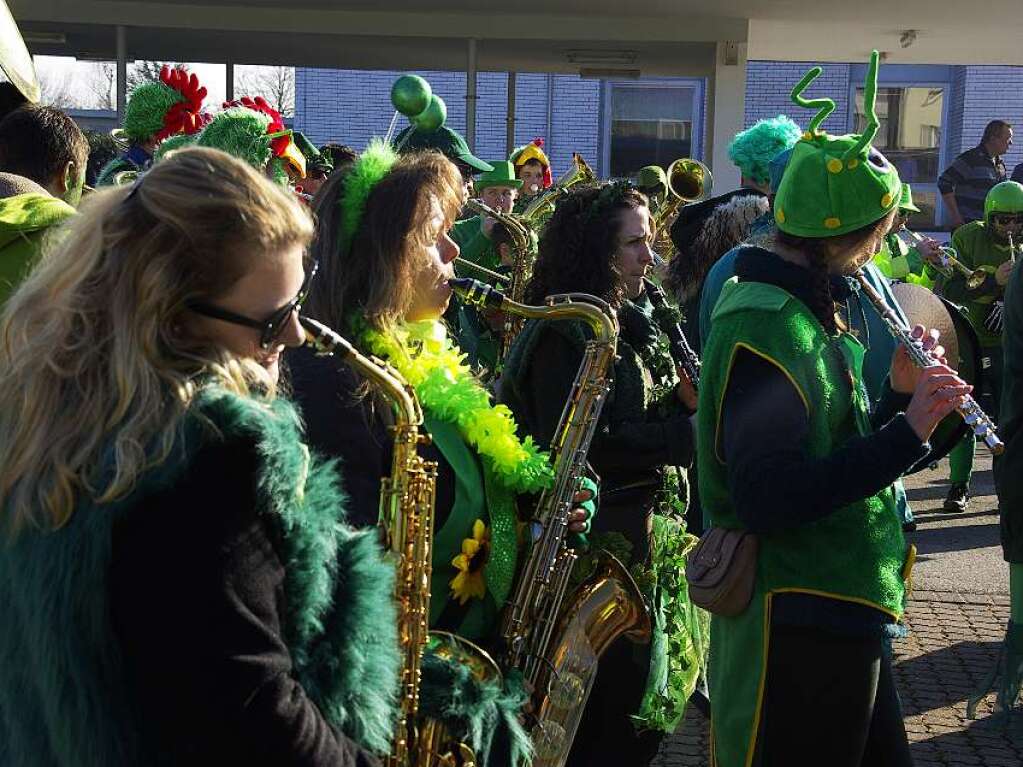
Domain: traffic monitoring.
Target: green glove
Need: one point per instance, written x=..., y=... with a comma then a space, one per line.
x=578, y=540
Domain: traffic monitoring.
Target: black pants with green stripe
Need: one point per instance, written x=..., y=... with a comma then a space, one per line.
x=830, y=699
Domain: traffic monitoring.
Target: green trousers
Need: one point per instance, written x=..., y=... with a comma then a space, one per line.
x=960, y=460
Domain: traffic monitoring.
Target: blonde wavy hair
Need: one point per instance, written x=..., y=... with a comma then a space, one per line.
x=98, y=360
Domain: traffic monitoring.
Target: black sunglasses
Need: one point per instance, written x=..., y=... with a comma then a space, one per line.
x=269, y=329
x=1004, y=219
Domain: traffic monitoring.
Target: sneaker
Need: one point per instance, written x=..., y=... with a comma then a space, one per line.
x=957, y=498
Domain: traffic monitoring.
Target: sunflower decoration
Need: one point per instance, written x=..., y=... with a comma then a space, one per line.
x=470, y=582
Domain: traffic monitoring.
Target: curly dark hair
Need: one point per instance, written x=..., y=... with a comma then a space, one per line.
x=577, y=247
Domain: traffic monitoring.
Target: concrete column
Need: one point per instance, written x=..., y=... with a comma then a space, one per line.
x=229, y=81
x=470, y=96
x=122, y=72
x=727, y=107
x=509, y=142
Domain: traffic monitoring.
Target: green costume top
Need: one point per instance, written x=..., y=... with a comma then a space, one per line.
x=341, y=631
x=24, y=221
x=899, y=261
x=977, y=249
x=474, y=245
x=1008, y=469
x=855, y=554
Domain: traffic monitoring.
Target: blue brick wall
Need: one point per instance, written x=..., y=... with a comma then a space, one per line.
x=769, y=83
x=352, y=106
x=991, y=93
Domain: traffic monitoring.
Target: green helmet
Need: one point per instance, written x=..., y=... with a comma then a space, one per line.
x=1006, y=197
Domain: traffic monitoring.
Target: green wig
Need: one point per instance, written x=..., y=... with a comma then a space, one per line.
x=753, y=149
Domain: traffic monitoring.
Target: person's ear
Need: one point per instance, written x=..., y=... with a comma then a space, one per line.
x=68, y=178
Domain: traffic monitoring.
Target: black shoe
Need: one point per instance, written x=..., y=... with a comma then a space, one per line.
x=958, y=497
x=909, y=527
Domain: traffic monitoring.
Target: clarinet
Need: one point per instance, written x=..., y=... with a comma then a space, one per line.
x=979, y=422
x=681, y=351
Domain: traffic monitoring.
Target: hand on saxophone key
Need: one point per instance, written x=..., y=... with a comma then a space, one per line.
x=581, y=516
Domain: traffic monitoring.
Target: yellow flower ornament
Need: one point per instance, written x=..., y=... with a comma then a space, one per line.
x=469, y=582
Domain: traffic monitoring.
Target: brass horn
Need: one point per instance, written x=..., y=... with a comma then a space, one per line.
x=579, y=173
x=689, y=181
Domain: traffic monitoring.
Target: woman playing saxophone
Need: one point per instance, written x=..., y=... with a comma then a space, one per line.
x=385, y=268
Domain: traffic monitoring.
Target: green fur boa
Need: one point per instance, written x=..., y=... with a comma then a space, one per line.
x=63, y=698
x=483, y=714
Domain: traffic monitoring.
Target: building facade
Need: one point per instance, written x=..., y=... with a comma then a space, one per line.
x=929, y=114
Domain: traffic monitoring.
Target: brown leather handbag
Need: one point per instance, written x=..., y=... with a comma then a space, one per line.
x=722, y=569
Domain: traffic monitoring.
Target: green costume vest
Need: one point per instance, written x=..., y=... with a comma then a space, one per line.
x=855, y=554
x=977, y=249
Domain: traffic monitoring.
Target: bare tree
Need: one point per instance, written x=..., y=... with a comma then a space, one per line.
x=143, y=71
x=57, y=89
x=102, y=79
x=275, y=84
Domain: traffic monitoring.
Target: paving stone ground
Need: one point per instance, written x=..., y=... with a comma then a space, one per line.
x=956, y=619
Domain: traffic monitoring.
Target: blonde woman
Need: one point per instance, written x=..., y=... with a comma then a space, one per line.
x=177, y=583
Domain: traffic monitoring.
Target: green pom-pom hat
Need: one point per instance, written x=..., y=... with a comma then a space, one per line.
x=836, y=184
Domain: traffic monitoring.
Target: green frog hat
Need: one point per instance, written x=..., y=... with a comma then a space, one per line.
x=835, y=184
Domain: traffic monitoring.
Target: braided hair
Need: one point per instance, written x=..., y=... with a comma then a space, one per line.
x=819, y=257
x=578, y=245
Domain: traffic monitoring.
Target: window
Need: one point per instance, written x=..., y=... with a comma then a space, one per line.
x=650, y=124
x=910, y=137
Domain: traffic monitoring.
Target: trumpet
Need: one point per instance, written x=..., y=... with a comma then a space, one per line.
x=688, y=181
x=950, y=264
x=579, y=173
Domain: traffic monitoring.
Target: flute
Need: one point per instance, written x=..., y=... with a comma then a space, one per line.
x=978, y=421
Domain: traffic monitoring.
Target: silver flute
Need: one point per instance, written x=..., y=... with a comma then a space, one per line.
x=978, y=421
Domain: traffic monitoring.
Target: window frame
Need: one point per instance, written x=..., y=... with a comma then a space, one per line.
x=698, y=86
x=856, y=83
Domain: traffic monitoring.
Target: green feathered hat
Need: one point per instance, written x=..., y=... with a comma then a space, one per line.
x=252, y=131
x=161, y=108
x=835, y=184
x=178, y=141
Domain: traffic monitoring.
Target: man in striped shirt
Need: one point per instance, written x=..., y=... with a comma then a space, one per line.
x=965, y=183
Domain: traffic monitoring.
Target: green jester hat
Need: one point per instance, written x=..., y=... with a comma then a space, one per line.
x=835, y=184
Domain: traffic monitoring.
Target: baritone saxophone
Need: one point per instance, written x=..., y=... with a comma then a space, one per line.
x=554, y=637
x=406, y=521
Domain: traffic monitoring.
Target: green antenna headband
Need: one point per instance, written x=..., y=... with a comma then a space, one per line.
x=825, y=106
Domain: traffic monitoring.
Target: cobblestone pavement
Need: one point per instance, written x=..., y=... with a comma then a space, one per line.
x=956, y=620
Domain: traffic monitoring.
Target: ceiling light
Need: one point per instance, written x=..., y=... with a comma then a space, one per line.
x=907, y=38
x=601, y=57
x=46, y=38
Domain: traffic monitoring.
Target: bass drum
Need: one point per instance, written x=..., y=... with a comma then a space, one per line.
x=962, y=351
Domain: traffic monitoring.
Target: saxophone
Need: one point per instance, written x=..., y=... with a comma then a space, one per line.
x=406, y=521
x=554, y=638
x=521, y=271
